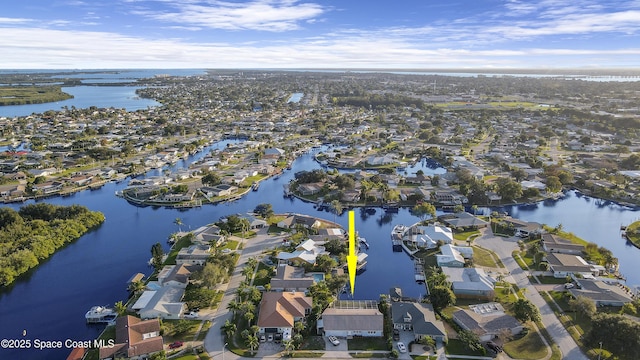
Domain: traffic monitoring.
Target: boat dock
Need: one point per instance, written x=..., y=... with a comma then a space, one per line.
x=418, y=269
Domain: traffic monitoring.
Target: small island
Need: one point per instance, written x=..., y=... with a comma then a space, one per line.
x=36, y=231
x=632, y=232
x=24, y=95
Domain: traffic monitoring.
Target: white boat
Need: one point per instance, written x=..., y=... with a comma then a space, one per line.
x=363, y=241
x=100, y=314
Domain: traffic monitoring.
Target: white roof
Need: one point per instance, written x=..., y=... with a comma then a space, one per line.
x=468, y=278
x=143, y=300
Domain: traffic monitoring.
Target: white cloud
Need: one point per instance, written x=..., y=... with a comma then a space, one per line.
x=13, y=21
x=264, y=15
x=84, y=49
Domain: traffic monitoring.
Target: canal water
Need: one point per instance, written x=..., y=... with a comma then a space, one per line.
x=50, y=302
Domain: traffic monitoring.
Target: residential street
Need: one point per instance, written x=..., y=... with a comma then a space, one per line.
x=503, y=247
x=213, y=342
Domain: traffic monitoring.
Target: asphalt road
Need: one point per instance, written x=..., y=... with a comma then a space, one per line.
x=503, y=247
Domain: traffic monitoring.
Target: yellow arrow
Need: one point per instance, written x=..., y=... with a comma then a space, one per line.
x=352, y=259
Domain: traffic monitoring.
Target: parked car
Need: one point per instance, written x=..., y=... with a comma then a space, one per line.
x=195, y=309
x=270, y=337
x=493, y=346
x=401, y=347
x=262, y=338
x=191, y=315
x=396, y=334
x=334, y=340
x=175, y=344
x=568, y=286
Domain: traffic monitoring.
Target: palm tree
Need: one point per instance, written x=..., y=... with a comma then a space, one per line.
x=289, y=346
x=252, y=262
x=137, y=287
x=120, y=308
x=299, y=326
x=253, y=342
x=247, y=272
x=337, y=209
x=229, y=329
x=234, y=306
x=249, y=315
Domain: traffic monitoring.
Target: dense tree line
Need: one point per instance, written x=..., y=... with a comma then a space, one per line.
x=36, y=231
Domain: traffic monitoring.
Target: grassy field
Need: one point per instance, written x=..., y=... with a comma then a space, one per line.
x=21, y=95
x=456, y=347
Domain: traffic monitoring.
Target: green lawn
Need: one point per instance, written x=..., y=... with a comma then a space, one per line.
x=313, y=343
x=465, y=234
x=170, y=335
x=263, y=275
x=551, y=280
x=306, y=354
x=483, y=257
x=367, y=343
x=529, y=347
x=183, y=242
x=456, y=347
x=368, y=355
x=230, y=244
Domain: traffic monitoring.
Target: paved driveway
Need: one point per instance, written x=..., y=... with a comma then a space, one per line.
x=503, y=247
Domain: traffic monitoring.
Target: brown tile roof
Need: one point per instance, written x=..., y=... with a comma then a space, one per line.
x=280, y=309
x=130, y=337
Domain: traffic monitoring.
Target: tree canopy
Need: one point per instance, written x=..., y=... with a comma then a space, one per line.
x=36, y=231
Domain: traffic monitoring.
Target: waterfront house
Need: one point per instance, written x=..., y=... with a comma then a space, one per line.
x=254, y=222
x=346, y=319
x=522, y=228
x=291, y=221
x=280, y=310
x=218, y=190
x=135, y=339
x=463, y=220
x=175, y=275
x=164, y=303
x=563, y=265
x=310, y=188
x=289, y=278
x=208, y=235
x=454, y=256
x=418, y=318
x=601, y=293
x=470, y=282
x=487, y=321
x=307, y=251
x=428, y=236
x=552, y=243
x=194, y=254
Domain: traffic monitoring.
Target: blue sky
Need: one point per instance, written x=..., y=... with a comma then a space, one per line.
x=381, y=34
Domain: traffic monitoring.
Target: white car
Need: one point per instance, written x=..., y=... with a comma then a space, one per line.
x=568, y=286
x=401, y=347
x=191, y=315
x=334, y=340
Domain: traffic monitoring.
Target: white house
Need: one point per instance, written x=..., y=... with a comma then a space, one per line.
x=454, y=256
x=345, y=323
x=164, y=303
x=307, y=251
x=470, y=282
